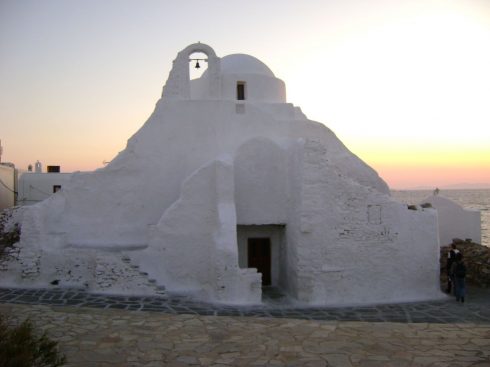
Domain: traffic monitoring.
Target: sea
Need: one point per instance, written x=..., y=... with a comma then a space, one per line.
x=478, y=199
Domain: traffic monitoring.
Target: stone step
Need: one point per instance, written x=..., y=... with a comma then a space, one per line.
x=158, y=289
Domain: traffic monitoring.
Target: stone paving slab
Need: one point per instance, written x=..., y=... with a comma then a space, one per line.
x=110, y=337
x=476, y=310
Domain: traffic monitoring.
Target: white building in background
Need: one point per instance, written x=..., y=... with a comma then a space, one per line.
x=225, y=189
x=34, y=187
x=8, y=183
x=28, y=188
x=455, y=221
x=8, y=187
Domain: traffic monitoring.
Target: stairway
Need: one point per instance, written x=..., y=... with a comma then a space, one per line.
x=149, y=282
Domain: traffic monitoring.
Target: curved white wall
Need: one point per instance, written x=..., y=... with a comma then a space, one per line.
x=455, y=221
x=258, y=88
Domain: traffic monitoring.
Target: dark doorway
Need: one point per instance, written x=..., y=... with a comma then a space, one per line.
x=259, y=257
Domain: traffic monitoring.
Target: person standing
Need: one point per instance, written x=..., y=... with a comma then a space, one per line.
x=451, y=258
x=458, y=269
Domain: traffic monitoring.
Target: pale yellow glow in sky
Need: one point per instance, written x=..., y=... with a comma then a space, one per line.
x=410, y=92
x=404, y=84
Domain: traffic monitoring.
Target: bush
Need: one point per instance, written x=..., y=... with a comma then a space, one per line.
x=8, y=239
x=20, y=347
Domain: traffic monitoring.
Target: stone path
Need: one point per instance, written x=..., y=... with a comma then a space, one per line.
x=92, y=337
x=476, y=310
x=96, y=330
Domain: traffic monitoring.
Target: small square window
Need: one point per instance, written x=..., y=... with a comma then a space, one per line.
x=56, y=188
x=374, y=214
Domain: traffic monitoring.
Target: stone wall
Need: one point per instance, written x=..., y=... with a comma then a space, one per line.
x=476, y=258
x=9, y=232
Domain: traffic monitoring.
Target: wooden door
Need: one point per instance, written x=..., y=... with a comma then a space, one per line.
x=259, y=257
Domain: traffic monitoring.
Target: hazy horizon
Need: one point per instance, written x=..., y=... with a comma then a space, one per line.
x=462, y=186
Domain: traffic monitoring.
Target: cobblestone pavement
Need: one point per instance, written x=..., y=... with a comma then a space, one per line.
x=95, y=330
x=108, y=337
x=476, y=310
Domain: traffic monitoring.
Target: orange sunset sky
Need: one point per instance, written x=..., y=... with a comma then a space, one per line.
x=404, y=84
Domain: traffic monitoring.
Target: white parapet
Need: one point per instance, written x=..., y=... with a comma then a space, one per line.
x=455, y=221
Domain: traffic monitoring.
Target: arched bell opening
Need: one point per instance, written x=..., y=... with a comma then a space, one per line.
x=198, y=64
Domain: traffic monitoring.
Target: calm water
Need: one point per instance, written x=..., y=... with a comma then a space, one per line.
x=468, y=199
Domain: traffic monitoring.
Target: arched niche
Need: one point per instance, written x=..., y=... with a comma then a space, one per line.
x=178, y=83
x=261, y=176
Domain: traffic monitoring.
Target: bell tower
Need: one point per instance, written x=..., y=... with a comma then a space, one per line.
x=178, y=82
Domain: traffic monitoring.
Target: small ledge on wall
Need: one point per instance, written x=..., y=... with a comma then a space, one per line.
x=419, y=207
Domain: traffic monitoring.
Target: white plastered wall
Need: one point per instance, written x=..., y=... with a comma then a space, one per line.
x=258, y=88
x=35, y=187
x=193, y=248
x=113, y=208
x=455, y=221
x=261, y=182
x=354, y=245
x=7, y=187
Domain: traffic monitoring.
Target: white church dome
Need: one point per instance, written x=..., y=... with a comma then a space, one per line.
x=257, y=82
x=244, y=64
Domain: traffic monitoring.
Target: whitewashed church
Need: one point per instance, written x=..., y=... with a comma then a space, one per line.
x=228, y=188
